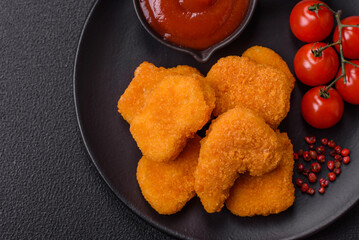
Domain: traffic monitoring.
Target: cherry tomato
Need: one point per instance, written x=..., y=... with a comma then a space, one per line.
x=314, y=71
x=350, y=90
x=307, y=26
x=322, y=112
x=350, y=38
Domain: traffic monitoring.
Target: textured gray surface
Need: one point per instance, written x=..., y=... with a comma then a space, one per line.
x=49, y=187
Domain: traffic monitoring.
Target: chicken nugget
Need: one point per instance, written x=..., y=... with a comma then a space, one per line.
x=270, y=193
x=237, y=141
x=239, y=81
x=175, y=110
x=168, y=186
x=267, y=56
x=147, y=76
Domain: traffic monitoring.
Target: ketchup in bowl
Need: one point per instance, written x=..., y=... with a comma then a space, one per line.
x=196, y=24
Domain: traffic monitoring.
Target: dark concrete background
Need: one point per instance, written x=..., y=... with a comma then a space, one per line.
x=49, y=188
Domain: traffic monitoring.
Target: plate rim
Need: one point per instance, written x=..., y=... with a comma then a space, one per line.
x=129, y=205
x=163, y=229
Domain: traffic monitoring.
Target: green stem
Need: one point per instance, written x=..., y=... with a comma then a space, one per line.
x=345, y=25
x=333, y=82
x=346, y=61
x=317, y=53
x=342, y=60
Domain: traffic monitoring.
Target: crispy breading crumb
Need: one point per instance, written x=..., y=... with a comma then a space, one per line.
x=237, y=141
x=270, y=193
x=239, y=81
x=168, y=186
x=174, y=111
x=267, y=56
x=147, y=76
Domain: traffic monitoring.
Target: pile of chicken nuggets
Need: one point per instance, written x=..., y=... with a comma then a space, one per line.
x=243, y=162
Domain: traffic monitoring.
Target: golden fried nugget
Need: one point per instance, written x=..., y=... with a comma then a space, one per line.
x=174, y=111
x=237, y=141
x=147, y=76
x=267, y=56
x=239, y=81
x=270, y=193
x=168, y=186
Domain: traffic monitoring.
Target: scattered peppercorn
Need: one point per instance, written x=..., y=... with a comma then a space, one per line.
x=330, y=165
x=320, y=149
x=300, y=167
x=332, y=176
x=336, y=164
x=331, y=144
x=313, y=154
x=312, y=177
x=337, y=171
x=311, y=191
x=300, y=152
x=318, y=153
x=305, y=187
x=306, y=172
x=299, y=182
x=338, y=149
x=338, y=157
x=333, y=153
x=324, y=183
x=321, y=190
x=321, y=158
x=315, y=167
x=310, y=139
x=346, y=159
x=306, y=156
x=345, y=152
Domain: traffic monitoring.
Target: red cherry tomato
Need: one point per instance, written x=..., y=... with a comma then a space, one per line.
x=322, y=112
x=350, y=38
x=350, y=90
x=314, y=71
x=307, y=26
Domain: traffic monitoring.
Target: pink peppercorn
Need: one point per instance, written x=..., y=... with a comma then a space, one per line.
x=321, y=158
x=346, y=159
x=332, y=176
x=299, y=182
x=321, y=190
x=315, y=167
x=304, y=187
x=337, y=171
x=300, y=167
x=312, y=177
x=345, y=152
x=338, y=149
x=311, y=191
x=310, y=139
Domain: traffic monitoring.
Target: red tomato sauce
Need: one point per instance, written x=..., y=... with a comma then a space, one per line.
x=197, y=24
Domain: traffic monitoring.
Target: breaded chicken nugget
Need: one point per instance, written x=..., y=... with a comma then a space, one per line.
x=168, y=186
x=267, y=56
x=239, y=81
x=175, y=110
x=237, y=141
x=147, y=76
x=270, y=193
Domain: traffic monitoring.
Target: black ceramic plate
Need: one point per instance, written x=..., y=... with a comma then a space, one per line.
x=114, y=43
